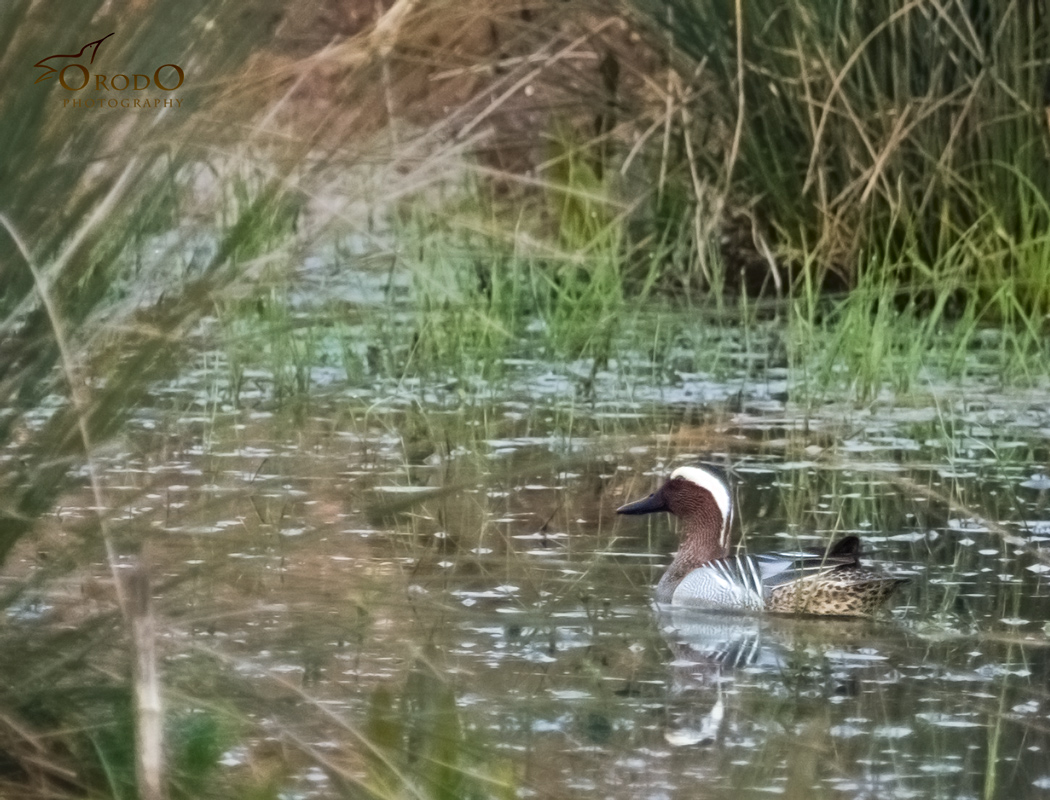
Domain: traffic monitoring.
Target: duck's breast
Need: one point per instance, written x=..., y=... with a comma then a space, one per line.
x=728, y=583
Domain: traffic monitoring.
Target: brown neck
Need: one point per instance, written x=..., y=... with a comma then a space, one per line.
x=700, y=544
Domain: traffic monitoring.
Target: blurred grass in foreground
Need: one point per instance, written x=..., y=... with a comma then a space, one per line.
x=98, y=303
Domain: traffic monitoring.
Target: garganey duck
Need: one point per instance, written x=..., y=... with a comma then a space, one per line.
x=703, y=574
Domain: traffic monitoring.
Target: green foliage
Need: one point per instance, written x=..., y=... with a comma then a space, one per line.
x=420, y=749
x=881, y=133
x=197, y=741
x=258, y=214
x=97, y=303
x=269, y=348
x=584, y=284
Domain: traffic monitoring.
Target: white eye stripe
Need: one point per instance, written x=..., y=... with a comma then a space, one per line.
x=713, y=484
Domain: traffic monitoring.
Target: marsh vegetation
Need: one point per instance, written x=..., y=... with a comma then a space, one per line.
x=319, y=396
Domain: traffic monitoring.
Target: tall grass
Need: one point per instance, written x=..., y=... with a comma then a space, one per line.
x=896, y=150
x=895, y=127
x=120, y=236
x=97, y=305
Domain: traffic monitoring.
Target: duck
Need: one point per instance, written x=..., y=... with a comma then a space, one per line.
x=821, y=582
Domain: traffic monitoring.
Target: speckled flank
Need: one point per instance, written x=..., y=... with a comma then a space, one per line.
x=846, y=592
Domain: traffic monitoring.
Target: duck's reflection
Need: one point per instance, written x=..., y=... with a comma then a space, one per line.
x=717, y=655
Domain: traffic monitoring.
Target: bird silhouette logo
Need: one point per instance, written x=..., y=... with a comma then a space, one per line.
x=50, y=69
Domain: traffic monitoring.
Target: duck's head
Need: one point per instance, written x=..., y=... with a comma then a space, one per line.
x=698, y=496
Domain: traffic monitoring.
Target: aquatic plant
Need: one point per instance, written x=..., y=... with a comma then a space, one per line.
x=879, y=138
x=99, y=301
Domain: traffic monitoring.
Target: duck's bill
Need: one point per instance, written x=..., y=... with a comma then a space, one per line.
x=648, y=505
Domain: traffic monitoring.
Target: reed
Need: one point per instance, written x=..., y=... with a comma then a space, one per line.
x=92, y=317
x=893, y=151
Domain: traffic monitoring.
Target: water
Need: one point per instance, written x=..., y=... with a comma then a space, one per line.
x=437, y=566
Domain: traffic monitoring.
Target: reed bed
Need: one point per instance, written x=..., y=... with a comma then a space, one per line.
x=855, y=195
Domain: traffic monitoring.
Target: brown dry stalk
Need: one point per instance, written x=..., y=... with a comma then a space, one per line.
x=149, y=711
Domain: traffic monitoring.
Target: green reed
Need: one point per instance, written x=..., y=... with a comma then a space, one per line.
x=895, y=151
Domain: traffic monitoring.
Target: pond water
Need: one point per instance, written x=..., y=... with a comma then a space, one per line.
x=420, y=588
